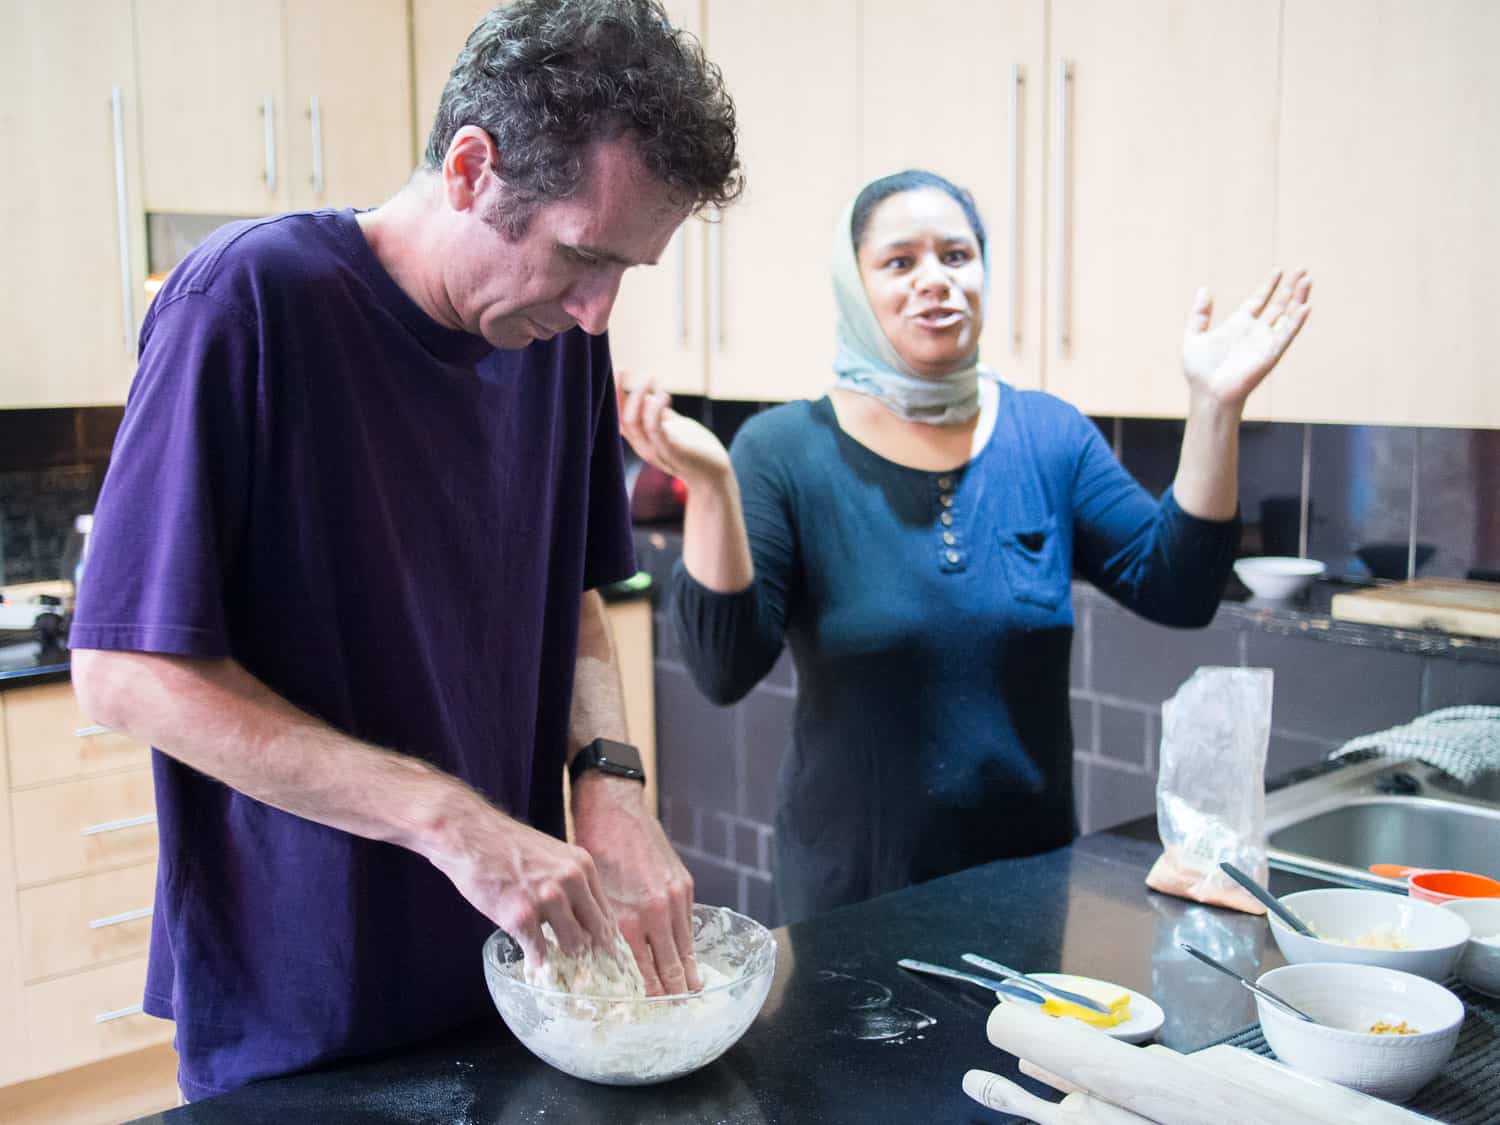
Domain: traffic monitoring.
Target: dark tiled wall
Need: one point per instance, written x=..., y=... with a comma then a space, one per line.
x=51, y=466
x=1367, y=485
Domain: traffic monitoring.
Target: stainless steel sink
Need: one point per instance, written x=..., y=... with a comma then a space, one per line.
x=1340, y=823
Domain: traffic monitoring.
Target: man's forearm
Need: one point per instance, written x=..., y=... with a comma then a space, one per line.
x=214, y=716
x=598, y=709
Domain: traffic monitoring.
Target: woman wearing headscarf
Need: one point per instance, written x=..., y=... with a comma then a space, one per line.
x=912, y=536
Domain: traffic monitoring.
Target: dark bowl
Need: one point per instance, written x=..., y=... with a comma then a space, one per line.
x=1388, y=560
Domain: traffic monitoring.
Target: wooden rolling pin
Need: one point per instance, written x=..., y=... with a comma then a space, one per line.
x=1305, y=1092
x=1316, y=1097
x=1161, y=1087
x=999, y=1093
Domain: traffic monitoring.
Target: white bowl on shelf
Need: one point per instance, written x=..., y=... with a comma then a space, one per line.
x=1347, y=1000
x=1479, y=965
x=1277, y=577
x=1434, y=937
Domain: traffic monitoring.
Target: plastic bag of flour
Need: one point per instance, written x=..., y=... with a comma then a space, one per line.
x=1210, y=792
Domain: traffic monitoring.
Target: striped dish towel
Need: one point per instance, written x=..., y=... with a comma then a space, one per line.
x=1463, y=742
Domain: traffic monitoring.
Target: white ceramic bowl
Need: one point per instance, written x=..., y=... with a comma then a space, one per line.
x=1436, y=936
x=1479, y=965
x=1347, y=1000
x=622, y=1042
x=1277, y=576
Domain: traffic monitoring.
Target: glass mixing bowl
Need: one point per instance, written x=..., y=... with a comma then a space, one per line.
x=635, y=1042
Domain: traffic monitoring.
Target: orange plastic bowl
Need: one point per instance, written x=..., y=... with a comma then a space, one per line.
x=1448, y=886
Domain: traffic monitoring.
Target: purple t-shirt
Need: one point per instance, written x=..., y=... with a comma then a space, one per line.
x=390, y=524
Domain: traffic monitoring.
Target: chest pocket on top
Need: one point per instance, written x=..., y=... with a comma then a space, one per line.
x=1035, y=565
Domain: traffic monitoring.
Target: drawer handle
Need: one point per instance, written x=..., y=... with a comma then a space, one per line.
x=117, y=825
x=90, y=732
x=119, y=1013
x=117, y=919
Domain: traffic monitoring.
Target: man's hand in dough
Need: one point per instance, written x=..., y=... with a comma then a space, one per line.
x=645, y=882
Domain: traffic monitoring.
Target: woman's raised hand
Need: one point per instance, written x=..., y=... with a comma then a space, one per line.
x=1228, y=362
x=664, y=438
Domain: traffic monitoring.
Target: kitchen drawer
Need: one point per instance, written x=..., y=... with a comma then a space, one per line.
x=50, y=739
x=79, y=923
x=86, y=1017
x=82, y=827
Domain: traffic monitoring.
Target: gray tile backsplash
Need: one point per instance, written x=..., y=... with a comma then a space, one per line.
x=1136, y=660
x=1360, y=490
x=1336, y=694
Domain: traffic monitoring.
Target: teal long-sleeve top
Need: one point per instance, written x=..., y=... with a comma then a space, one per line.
x=929, y=619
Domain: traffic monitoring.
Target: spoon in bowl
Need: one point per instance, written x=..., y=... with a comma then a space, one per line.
x=1267, y=899
x=1259, y=990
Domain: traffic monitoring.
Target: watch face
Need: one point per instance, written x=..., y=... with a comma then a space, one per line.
x=618, y=757
x=607, y=756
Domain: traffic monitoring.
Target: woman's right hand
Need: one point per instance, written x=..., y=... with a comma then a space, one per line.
x=662, y=437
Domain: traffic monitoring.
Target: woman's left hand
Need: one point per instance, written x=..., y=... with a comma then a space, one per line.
x=1228, y=362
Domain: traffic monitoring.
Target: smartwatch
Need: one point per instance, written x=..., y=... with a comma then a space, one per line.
x=619, y=759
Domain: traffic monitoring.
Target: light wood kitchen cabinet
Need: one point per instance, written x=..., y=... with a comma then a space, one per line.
x=1390, y=157
x=77, y=875
x=72, y=229
x=1162, y=178
x=348, y=88
x=84, y=1017
x=210, y=71
x=659, y=325
x=51, y=739
x=83, y=826
x=439, y=29
x=791, y=68
x=970, y=107
x=71, y=924
x=310, y=105
x=12, y=1025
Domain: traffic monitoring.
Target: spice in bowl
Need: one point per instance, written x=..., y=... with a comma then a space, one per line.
x=1381, y=1027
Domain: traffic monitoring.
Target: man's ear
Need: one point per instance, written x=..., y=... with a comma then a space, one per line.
x=471, y=168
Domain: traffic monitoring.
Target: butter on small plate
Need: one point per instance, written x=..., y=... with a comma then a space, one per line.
x=1144, y=1018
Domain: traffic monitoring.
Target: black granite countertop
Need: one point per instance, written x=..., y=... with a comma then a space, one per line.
x=28, y=662
x=828, y=1046
x=1310, y=615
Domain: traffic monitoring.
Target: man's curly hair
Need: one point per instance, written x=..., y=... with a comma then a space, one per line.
x=548, y=78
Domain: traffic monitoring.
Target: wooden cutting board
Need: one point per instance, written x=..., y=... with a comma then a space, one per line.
x=1472, y=608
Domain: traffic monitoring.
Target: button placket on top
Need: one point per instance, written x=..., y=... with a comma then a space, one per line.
x=951, y=554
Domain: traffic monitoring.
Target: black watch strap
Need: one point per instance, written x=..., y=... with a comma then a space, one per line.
x=619, y=759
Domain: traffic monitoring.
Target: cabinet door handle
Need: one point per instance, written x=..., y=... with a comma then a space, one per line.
x=268, y=110
x=120, y=919
x=716, y=281
x=1061, y=312
x=681, y=256
x=1017, y=81
x=91, y=732
x=315, y=115
x=119, y=825
x=119, y=1014
x=122, y=214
